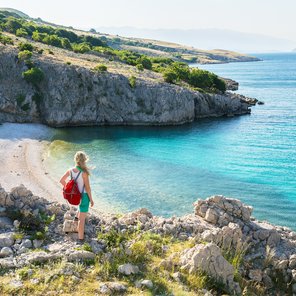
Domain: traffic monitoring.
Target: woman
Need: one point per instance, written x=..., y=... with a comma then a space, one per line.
x=80, y=159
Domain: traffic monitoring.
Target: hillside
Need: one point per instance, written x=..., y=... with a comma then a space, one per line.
x=61, y=78
x=155, y=47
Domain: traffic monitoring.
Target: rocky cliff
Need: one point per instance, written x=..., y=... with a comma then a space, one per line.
x=220, y=248
x=73, y=95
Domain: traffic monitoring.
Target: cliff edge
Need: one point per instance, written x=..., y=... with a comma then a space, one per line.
x=73, y=94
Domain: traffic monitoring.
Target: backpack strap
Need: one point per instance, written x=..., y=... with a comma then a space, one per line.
x=77, y=176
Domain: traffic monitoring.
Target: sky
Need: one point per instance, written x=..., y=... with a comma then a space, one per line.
x=269, y=17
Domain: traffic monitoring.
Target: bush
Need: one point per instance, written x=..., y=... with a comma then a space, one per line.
x=25, y=46
x=140, y=67
x=132, y=81
x=12, y=24
x=101, y=68
x=21, y=32
x=24, y=55
x=5, y=39
x=33, y=75
x=81, y=47
x=145, y=62
x=170, y=76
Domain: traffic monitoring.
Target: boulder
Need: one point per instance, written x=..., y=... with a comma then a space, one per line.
x=208, y=258
x=128, y=269
x=6, y=251
x=112, y=288
x=221, y=210
x=81, y=255
x=6, y=239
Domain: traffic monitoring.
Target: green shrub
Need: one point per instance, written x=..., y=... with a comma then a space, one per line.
x=100, y=68
x=25, y=46
x=132, y=81
x=113, y=237
x=24, y=55
x=5, y=39
x=12, y=24
x=21, y=33
x=170, y=76
x=145, y=62
x=140, y=67
x=81, y=47
x=33, y=75
x=66, y=43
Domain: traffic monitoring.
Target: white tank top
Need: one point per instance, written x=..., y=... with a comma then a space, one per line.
x=79, y=180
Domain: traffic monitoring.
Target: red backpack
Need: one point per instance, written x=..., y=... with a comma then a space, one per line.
x=71, y=192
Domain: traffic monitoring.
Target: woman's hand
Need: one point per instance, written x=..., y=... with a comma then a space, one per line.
x=91, y=203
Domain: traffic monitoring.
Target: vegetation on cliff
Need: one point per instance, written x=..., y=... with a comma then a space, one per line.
x=172, y=71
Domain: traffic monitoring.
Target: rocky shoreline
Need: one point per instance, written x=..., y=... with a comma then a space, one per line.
x=221, y=245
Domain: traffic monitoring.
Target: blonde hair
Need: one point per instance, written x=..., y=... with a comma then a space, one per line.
x=81, y=159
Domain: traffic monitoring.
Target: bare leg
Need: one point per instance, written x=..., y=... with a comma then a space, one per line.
x=81, y=223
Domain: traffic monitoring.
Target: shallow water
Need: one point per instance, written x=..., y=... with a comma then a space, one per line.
x=165, y=169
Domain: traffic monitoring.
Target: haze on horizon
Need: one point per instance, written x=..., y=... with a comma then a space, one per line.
x=272, y=18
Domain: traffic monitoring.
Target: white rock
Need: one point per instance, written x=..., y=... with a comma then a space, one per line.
x=6, y=239
x=208, y=258
x=37, y=243
x=6, y=251
x=26, y=243
x=128, y=269
x=147, y=283
x=81, y=255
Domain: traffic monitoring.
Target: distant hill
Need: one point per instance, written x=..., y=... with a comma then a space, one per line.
x=208, y=38
x=15, y=11
x=156, y=48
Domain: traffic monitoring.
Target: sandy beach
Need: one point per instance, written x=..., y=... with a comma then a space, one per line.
x=23, y=152
x=22, y=160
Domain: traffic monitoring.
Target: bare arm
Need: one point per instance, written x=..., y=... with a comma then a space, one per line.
x=87, y=187
x=64, y=178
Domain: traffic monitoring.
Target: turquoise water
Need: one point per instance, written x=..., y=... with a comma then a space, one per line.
x=166, y=169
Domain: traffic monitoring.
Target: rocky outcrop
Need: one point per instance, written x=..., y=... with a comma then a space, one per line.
x=71, y=95
x=222, y=240
x=208, y=259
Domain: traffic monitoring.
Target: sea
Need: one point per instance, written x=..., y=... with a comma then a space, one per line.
x=166, y=169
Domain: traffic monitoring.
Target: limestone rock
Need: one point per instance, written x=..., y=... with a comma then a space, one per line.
x=5, y=252
x=128, y=269
x=81, y=255
x=83, y=97
x=208, y=258
x=6, y=239
x=147, y=283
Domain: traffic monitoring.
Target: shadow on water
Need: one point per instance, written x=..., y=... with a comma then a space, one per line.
x=114, y=133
